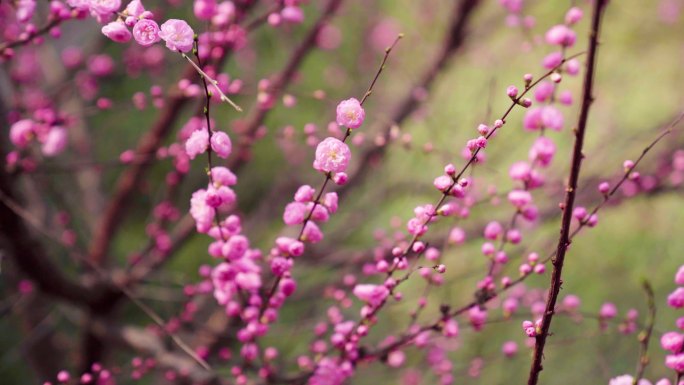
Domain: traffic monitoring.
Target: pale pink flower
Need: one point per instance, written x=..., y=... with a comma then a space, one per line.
x=197, y=143
x=177, y=34
x=332, y=155
x=350, y=113
x=22, y=132
x=117, y=31
x=55, y=141
x=221, y=144
x=561, y=35
x=201, y=211
x=373, y=295
x=146, y=32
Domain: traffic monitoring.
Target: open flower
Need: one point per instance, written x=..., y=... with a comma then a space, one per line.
x=332, y=155
x=177, y=34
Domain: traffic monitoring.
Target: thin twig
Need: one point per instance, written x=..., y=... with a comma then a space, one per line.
x=645, y=335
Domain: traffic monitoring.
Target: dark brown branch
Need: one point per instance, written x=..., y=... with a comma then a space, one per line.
x=576, y=162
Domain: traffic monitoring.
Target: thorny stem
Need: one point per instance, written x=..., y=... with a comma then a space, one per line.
x=576, y=162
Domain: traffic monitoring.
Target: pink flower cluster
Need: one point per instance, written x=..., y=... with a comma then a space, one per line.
x=177, y=34
x=673, y=341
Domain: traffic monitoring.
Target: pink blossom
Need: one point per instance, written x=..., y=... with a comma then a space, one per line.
x=177, y=34
x=295, y=213
x=220, y=143
x=117, y=31
x=22, y=132
x=520, y=171
x=292, y=14
x=679, y=277
x=327, y=373
x=573, y=15
x=204, y=9
x=200, y=211
x=561, y=35
x=552, y=60
x=672, y=341
x=493, y=230
x=676, y=298
x=509, y=349
x=197, y=143
x=552, y=118
x=542, y=151
x=373, y=295
x=312, y=233
x=146, y=32
x=675, y=362
x=332, y=155
x=519, y=198
x=608, y=311
x=135, y=8
x=350, y=113
x=55, y=141
x=223, y=176
x=450, y=328
x=25, y=9
x=103, y=8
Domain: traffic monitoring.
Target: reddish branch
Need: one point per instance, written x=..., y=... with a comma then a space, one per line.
x=576, y=162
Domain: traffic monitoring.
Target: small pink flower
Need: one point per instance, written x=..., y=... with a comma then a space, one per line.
x=573, y=15
x=223, y=177
x=201, y=211
x=332, y=155
x=146, y=32
x=295, y=213
x=292, y=14
x=55, y=141
x=312, y=233
x=493, y=230
x=104, y=8
x=350, y=113
x=542, y=151
x=197, y=143
x=679, y=277
x=509, y=349
x=135, y=8
x=117, y=32
x=25, y=9
x=220, y=143
x=519, y=198
x=22, y=132
x=672, y=341
x=177, y=34
x=561, y=35
x=675, y=362
x=608, y=311
x=676, y=298
x=204, y=9
x=373, y=295
x=450, y=328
